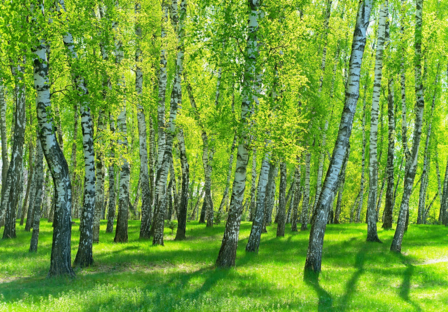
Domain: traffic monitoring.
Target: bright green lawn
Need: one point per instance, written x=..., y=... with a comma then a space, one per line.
x=356, y=276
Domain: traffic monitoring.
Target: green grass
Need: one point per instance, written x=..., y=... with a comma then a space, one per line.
x=356, y=276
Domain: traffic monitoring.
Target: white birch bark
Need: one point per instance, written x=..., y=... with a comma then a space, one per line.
x=61, y=247
x=175, y=103
x=229, y=175
x=10, y=194
x=372, y=235
x=390, y=200
x=257, y=225
x=4, y=138
x=227, y=252
x=111, y=173
x=253, y=188
x=419, y=107
x=84, y=256
x=314, y=254
x=100, y=176
x=306, y=196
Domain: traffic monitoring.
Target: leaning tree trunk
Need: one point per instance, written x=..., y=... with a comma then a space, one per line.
x=61, y=247
x=176, y=100
x=11, y=195
x=183, y=207
x=419, y=108
x=390, y=201
x=372, y=234
x=257, y=225
x=227, y=252
x=337, y=213
x=38, y=200
x=282, y=202
x=314, y=255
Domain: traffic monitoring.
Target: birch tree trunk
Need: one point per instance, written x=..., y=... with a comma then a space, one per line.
x=84, y=256
x=363, y=166
x=29, y=182
x=372, y=235
x=61, y=247
x=10, y=196
x=38, y=201
x=444, y=205
x=253, y=188
x=111, y=172
x=314, y=254
x=227, y=252
x=257, y=226
x=229, y=175
x=337, y=213
x=183, y=207
x=29, y=218
x=74, y=160
x=419, y=107
x=176, y=100
x=121, y=231
x=281, y=219
x=142, y=133
x=425, y=174
x=390, y=200
x=270, y=196
x=439, y=186
x=306, y=196
x=100, y=175
x=162, y=81
x=4, y=138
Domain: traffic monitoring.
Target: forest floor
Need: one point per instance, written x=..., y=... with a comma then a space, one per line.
x=356, y=276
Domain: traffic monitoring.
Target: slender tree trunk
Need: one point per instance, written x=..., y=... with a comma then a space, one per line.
x=426, y=162
x=182, y=216
x=229, y=175
x=372, y=235
x=162, y=82
x=314, y=255
x=390, y=200
x=419, y=107
x=32, y=182
x=143, y=149
x=227, y=252
x=10, y=196
x=253, y=188
x=282, y=202
x=257, y=225
x=270, y=196
x=38, y=201
x=111, y=208
x=100, y=176
x=306, y=196
x=439, y=186
x=74, y=162
x=84, y=256
x=29, y=182
x=4, y=138
x=445, y=197
x=176, y=100
x=121, y=232
x=341, y=190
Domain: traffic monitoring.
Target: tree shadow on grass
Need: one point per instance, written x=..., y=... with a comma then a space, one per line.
x=405, y=287
x=325, y=300
x=350, y=287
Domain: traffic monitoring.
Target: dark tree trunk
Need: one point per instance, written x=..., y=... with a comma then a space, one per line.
x=282, y=202
x=38, y=201
x=389, y=208
x=182, y=216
